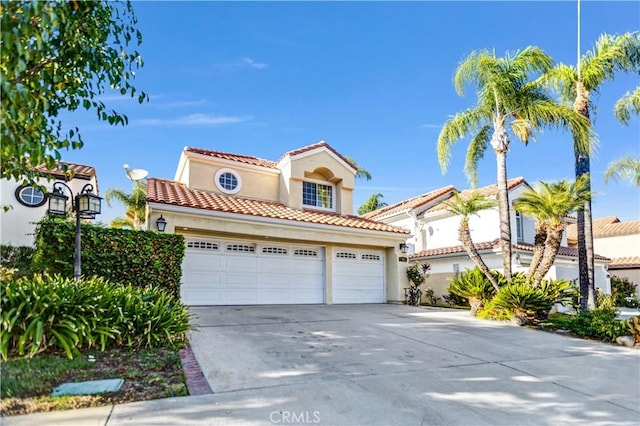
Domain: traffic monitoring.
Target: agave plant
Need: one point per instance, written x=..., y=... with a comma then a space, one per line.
x=474, y=286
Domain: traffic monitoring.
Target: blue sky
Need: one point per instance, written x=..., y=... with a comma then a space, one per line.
x=372, y=79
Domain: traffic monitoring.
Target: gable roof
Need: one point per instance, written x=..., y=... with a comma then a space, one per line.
x=410, y=204
x=494, y=245
x=175, y=193
x=486, y=191
x=256, y=161
x=603, y=227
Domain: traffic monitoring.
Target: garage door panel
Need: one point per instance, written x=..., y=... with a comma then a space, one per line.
x=244, y=272
x=358, y=276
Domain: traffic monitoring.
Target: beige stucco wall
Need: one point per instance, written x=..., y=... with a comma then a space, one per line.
x=256, y=183
x=321, y=165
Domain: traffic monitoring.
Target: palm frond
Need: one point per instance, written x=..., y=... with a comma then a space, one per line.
x=475, y=152
x=469, y=204
x=624, y=169
x=627, y=104
x=454, y=129
x=610, y=54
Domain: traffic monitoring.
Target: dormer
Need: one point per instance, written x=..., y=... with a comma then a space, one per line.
x=317, y=177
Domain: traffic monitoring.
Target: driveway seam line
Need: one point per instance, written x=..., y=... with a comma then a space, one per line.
x=106, y=421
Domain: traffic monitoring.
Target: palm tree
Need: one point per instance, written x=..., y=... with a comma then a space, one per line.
x=372, y=203
x=625, y=168
x=361, y=172
x=550, y=203
x=630, y=102
x=465, y=208
x=135, y=204
x=508, y=102
x=610, y=54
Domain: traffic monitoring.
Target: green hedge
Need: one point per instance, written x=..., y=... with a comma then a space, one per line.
x=50, y=313
x=17, y=257
x=139, y=258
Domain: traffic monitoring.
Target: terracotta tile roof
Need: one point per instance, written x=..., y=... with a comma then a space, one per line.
x=247, y=159
x=620, y=228
x=625, y=262
x=572, y=230
x=410, y=204
x=304, y=149
x=175, y=193
x=487, y=191
x=494, y=245
x=78, y=170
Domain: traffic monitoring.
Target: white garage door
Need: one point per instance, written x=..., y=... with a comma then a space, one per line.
x=225, y=272
x=358, y=276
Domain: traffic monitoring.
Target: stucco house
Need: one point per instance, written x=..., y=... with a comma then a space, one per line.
x=434, y=237
x=618, y=240
x=27, y=205
x=276, y=232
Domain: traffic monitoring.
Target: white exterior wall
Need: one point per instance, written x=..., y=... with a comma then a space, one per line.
x=618, y=246
x=17, y=225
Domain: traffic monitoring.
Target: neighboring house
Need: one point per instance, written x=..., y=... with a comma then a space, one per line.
x=435, y=237
x=617, y=240
x=28, y=205
x=276, y=232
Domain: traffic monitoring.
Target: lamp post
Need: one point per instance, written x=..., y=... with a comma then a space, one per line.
x=86, y=205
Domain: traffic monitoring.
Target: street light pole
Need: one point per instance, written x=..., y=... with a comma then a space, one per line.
x=85, y=204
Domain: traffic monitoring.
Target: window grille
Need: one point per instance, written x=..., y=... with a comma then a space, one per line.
x=241, y=248
x=346, y=255
x=203, y=245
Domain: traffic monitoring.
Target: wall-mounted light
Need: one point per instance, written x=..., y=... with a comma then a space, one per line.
x=403, y=248
x=161, y=224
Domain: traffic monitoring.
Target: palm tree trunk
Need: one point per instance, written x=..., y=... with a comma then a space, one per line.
x=464, y=235
x=538, y=249
x=501, y=148
x=552, y=246
x=585, y=222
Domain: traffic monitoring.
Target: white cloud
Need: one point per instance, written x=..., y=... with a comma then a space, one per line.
x=194, y=120
x=431, y=126
x=176, y=104
x=253, y=64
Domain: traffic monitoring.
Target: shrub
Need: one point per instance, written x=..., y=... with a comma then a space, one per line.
x=455, y=300
x=18, y=258
x=430, y=296
x=139, y=258
x=522, y=299
x=417, y=273
x=474, y=286
x=633, y=326
x=55, y=313
x=624, y=292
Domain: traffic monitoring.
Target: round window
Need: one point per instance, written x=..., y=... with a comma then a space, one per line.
x=228, y=181
x=30, y=196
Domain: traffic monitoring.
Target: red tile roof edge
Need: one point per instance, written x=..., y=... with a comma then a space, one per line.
x=80, y=170
x=181, y=195
x=250, y=159
x=494, y=245
x=409, y=203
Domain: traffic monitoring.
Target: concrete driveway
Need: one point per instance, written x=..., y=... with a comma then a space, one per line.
x=392, y=364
